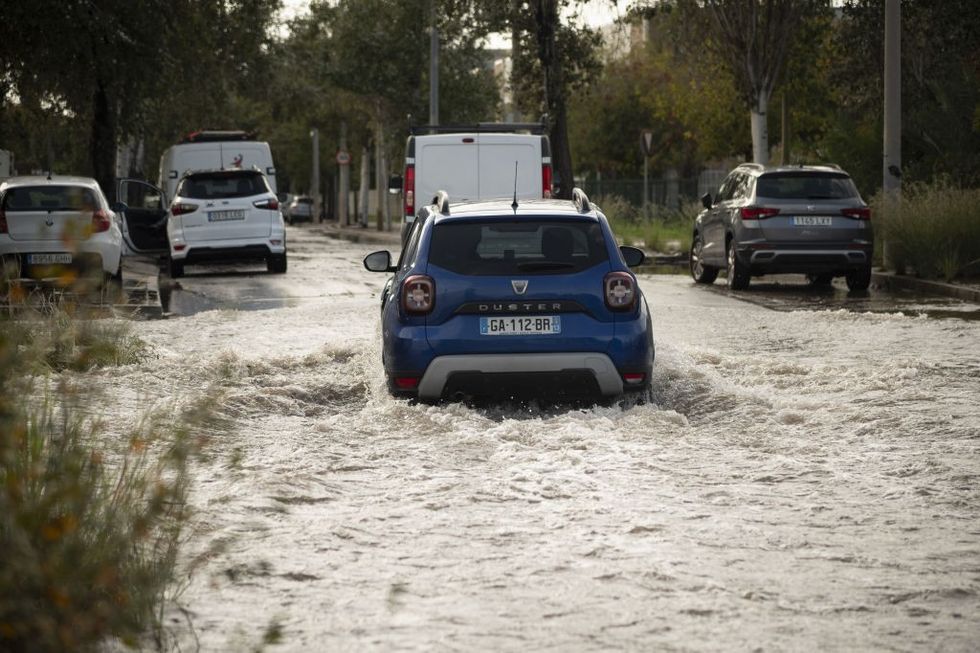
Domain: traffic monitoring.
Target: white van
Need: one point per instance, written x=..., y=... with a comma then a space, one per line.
x=143, y=207
x=474, y=162
x=215, y=150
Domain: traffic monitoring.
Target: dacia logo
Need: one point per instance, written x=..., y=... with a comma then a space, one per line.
x=519, y=286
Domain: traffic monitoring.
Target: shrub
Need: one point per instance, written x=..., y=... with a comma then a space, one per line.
x=935, y=230
x=89, y=531
x=664, y=231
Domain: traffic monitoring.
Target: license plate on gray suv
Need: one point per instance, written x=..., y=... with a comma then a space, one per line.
x=812, y=220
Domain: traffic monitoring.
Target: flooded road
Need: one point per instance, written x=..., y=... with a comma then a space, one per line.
x=803, y=479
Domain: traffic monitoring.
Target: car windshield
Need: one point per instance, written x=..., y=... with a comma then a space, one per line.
x=222, y=185
x=806, y=186
x=517, y=247
x=304, y=200
x=49, y=198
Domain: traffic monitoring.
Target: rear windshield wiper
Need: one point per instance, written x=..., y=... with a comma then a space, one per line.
x=544, y=265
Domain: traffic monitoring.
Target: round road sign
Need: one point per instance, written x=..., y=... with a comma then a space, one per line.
x=343, y=158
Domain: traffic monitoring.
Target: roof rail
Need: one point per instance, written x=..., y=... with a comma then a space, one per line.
x=441, y=201
x=480, y=127
x=212, y=136
x=581, y=200
x=750, y=164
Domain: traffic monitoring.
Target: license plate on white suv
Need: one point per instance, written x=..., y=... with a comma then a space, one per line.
x=520, y=326
x=49, y=259
x=812, y=220
x=222, y=216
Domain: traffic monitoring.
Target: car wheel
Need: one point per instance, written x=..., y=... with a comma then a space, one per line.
x=859, y=279
x=738, y=274
x=276, y=263
x=820, y=280
x=700, y=272
x=176, y=269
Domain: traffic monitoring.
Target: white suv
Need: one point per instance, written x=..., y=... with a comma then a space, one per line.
x=225, y=215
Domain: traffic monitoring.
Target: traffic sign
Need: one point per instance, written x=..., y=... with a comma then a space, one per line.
x=343, y=158
x=646, y=141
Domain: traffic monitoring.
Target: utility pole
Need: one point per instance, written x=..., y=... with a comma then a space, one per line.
x=343, y=214
x=784, y=133
x=315, y=181
x=433, y=66
x=892, y=160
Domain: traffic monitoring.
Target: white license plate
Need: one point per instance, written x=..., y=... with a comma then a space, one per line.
x=221, y=216
x=812, y=220
x=520, y=326
x=48, y=259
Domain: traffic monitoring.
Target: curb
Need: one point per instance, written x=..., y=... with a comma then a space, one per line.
x=893, y=281
x=360, y=234
x=141, y=286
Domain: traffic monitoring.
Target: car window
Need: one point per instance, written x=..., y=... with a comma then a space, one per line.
x=221, y=185
x=727, y=188
x=50, y=198
x=411, y=244
x=741, y=186
x=806, y=186
x=517, y=247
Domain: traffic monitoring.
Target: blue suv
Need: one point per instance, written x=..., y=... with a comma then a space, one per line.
x=493, y=298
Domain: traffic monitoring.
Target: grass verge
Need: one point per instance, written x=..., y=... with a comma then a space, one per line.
x=89, y=529
x=664, y=231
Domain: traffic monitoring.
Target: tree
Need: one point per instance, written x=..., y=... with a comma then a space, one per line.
x=751, y=38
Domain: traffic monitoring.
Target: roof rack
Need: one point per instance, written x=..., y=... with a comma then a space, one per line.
x=581, y=200
x=749, y=164
x=441, y=202
x=480, y=127
x=213, y=136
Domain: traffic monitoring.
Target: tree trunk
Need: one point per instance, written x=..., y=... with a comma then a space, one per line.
x=102, y=145
x=546, y=19
x=760, y=130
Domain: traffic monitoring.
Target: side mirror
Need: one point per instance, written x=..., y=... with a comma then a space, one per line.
x=632, y=255
x=119, y=207
x=378, y=262
x=706, y=200
x=395, y=184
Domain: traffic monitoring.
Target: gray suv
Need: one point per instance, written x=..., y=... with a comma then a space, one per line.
x=799, y=219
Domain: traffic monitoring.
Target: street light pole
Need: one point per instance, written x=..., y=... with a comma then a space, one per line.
x=433, y=66
x=315, y=181
x=892, y=160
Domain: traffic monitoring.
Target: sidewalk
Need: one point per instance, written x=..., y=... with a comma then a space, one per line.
x=892, y=281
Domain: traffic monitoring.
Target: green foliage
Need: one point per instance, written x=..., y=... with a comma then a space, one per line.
x=663, y=231
x=935, y=229
x=89, y=524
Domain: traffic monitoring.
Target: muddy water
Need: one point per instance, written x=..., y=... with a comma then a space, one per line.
x=801, y=480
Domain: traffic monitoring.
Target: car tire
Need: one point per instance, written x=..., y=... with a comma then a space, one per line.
x=859, y=279
x=820, y=280
x=176, y=269
x=738, y=273
x=700, y=272
x=276, y=263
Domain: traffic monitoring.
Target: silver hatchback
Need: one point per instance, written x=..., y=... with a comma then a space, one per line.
x=768, y=220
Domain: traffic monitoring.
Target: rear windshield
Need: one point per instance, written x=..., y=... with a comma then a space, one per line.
x=220, y=185
x=806, y=186
x=304, y=200
x=50, y=198
x=517, y=247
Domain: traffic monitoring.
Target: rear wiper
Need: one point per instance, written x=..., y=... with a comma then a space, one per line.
x=544, y=265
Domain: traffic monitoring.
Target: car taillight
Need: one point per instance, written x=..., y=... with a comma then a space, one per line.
x=180, y=208
x=634, y=379
x=418, y=294
x=619, y=289
x=407, y=382
x=859, y=213
x=410, y=190
x=757, y=212
x=546, y=180
x=100, y=221
x=270, y=205
x=3, y=222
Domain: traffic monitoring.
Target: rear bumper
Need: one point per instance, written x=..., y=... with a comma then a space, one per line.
x=483, y=371
x=218, y=251
x=764, y=258
x=102, y=250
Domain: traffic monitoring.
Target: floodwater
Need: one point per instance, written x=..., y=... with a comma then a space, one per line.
x=802, y=479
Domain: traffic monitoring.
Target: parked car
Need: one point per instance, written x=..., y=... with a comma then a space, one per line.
x=52, y=224
x=215, y=150
x=798, y=219
x=225, y=215
x=471, y=162
x=490, y=298
x=301, y=208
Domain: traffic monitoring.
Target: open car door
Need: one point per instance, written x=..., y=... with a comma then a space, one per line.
x=142, y=208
